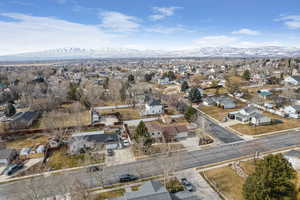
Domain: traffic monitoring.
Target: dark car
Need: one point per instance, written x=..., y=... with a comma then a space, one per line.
x=110, y=152
x=12, y=169
x=187, y=185
x=127, y=178
x=93, y=169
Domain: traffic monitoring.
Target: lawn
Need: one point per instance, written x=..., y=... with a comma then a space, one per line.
x=252, y=130
x=27, y=141
x=126, y=113
x=60, y=159
x=227, y=181
x=110, y=194
x=220, y=113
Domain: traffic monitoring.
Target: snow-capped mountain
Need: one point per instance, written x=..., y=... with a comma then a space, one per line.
x=79, y=53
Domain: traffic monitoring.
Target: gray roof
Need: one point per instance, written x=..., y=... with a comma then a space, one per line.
x=259, y=116
x=292, y=153
x=297, y=78
x=154, y=102
x=6, y=153
x=296, y=107
x=250, y=109
x=98, y=137
x=150, y=190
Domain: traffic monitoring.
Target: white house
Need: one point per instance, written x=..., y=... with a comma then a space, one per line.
x=260, y=119
x=293, y=80
x=154, y=107
x=164, y=81
x=292, y=111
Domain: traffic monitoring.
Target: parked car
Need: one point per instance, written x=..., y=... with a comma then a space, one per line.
x=126, y=143
x=93, y=169
x=127, y=178
x=186, y=184
x=13, y=168
x=110, y=152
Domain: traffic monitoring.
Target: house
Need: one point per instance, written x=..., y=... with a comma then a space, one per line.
x=259, y=119
x=264, y=93
x=149, y=190
x=175, y=132
x=292, y=111
x=293, y=156
x=163, y=81
x=292, y=80
x=24, y=120
x=154, y=190
x=7, y=156
x=244, y=115
x=155, y=131
x=208, y=101
x=154, y=107
x=96, y=139
x=224, y=102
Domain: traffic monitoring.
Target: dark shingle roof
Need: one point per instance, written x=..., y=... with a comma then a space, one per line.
x=154, y=102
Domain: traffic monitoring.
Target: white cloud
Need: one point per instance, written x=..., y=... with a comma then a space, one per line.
x=119, y=22
x=167, y=30
x=26, y=33
x=246, y=31
x=291, y=21
x=163, y=12
x=226, y=41
x=216, y=41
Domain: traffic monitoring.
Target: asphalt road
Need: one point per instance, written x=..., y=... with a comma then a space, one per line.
x=220, y=132
x=155, y=166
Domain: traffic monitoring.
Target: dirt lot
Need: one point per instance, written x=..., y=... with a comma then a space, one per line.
x=227, y=181
x=27, y=141
x=220, y=113
x=285, y=124
x=126, y=113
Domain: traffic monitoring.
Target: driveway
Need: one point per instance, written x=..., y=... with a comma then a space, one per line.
x=202, y=189
x=121, y=156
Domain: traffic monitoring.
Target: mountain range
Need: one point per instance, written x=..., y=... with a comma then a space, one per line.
x=79, y=53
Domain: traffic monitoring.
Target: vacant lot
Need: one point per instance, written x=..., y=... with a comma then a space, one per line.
x=219, y=113
x=126, y=113
x=284, y=124
x=60, y=159
x=227, y=181
x=27, y=141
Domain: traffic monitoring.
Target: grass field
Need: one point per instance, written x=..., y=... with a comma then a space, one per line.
x=252, y=130
x=228, y=182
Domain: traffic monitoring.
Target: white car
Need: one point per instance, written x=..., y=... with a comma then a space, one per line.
x=126, y=143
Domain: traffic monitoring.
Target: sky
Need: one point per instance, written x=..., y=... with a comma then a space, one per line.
x=36, y=25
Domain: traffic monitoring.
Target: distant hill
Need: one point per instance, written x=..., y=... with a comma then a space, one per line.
x=79, y=53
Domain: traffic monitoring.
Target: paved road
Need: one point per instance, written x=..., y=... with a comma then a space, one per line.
x=154, y=166
x=220, y=132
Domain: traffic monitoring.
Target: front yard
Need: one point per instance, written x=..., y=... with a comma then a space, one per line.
x=60, y=159
x=284, y=124
x=227, y=181
x=28, y=141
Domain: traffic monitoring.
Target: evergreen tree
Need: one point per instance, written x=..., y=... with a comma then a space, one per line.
x=184, y=86
x=190, y=114
x=141, y=130
x=10, y=110
x=271, y=180
x=131, y=78
x=195, y=95
x=247, y=75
